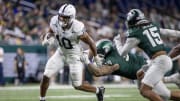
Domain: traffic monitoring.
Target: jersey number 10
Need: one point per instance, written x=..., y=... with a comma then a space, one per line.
x=153, y=36
x=64, y=42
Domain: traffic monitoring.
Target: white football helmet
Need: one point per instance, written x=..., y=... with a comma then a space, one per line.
x=66, y=13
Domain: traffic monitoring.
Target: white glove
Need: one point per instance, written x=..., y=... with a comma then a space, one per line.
x=84, y=58
x=118, y=44
x=48, y=40
x=98, y=61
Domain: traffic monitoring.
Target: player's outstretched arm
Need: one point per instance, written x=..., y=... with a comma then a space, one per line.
x=130, y=43
x=117, y=42
x=170, y=32
x=88, y=40
x=103, y=70
x=98, y=71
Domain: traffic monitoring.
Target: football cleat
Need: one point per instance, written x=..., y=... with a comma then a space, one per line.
x=100, y=95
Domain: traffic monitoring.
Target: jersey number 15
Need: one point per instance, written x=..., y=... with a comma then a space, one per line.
x=153, y=36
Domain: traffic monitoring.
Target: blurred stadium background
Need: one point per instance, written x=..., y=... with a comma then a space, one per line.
x=23, y=21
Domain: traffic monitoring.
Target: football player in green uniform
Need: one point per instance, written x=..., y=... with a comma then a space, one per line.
x=122, y=66
x=146, y=35
x=113, y=63
x=128, y=65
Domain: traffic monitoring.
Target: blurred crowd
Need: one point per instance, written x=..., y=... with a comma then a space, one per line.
x=23, y=21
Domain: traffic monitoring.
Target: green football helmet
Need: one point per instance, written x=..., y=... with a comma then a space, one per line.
x=134, y=16
x=104, y=47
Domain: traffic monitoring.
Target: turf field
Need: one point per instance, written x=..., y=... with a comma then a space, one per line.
x=67, y=93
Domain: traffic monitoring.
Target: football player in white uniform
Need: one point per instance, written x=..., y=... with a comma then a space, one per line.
x=68, y=31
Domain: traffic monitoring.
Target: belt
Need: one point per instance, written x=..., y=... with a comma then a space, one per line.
x=158, y=54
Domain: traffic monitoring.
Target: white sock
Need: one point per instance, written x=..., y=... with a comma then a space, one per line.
x=42, y=98
x=172, y=79
x=97, y=90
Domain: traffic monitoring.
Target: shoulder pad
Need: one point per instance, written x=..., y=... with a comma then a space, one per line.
x=54, y=19
x=78, y=26
x=53, y=23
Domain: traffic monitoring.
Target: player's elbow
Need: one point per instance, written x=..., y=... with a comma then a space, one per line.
x=175, y=51
x=95, y=70
x=97, y=73
x=140, y=74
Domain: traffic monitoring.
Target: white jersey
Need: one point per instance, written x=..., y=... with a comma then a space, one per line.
x=69, y=45
x=68, y=39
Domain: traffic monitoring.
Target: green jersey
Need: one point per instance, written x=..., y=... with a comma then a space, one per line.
x=129, y=64
x=149, y=36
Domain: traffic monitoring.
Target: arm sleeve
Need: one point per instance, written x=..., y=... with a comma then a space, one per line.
x=130, y=43
x=117, y=42
x=170, y=32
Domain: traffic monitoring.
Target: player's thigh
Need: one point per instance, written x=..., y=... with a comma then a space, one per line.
x=162, y=90
x=155, y=73
x=153, y=76
x=76, y=73
x=54, y=64
x=163, y=62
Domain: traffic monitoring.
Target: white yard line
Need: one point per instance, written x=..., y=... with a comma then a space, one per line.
x=86, y=96
x=69, y=97
x=70, y=87
x=62, y=87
